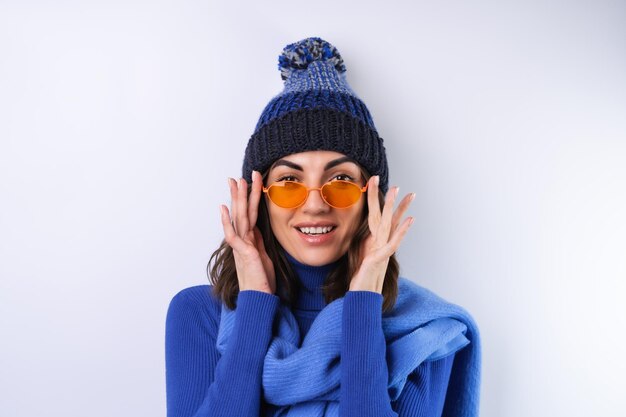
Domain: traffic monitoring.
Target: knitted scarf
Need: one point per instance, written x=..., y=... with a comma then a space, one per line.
x=421, y=327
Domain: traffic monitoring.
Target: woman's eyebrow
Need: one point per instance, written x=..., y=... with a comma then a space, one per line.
x=337, y=161
x=287, y=164
x=329, y=165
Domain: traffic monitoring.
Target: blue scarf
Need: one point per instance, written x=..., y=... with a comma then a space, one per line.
x=421, y=327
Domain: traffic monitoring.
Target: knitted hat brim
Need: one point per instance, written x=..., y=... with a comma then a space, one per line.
x=316, y=129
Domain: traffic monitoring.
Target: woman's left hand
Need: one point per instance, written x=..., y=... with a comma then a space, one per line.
x=386, y=233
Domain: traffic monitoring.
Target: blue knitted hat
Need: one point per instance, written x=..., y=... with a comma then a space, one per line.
x=317, y=110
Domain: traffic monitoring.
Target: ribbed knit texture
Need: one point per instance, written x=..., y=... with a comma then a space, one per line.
x=199, y=379
x=203, y=382
x=317, y=110
x=316, y=129
x=311, y=279
x=310, y=99
x=191, y=361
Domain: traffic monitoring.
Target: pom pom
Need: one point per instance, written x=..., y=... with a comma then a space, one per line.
x=298, y=56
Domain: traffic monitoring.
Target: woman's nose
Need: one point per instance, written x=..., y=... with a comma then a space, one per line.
x=314, y=203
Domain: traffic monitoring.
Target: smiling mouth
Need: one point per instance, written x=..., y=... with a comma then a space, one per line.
x=314, y=231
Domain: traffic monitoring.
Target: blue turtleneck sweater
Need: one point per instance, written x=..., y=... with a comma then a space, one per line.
x=202, y=383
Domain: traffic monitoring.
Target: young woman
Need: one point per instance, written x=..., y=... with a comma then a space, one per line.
x=307, y=315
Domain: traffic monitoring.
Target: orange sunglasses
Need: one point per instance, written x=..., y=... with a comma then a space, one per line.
x=338, y=193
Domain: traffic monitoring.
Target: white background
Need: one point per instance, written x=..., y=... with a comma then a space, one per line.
x=120, y=121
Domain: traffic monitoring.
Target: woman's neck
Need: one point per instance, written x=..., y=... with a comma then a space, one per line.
x=312, y=278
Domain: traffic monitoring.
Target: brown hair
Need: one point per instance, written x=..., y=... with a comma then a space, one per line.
x=223, y=274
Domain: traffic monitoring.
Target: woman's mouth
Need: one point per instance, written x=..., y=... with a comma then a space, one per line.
x=313, y=231
x=316, y=235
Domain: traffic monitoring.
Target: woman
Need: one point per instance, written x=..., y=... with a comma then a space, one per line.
x=307, y=315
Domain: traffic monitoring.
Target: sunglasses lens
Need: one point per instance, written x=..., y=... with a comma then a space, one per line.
x=287, y=194
x=341, y=194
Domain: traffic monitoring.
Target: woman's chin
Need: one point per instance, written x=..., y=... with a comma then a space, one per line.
x=316, y=257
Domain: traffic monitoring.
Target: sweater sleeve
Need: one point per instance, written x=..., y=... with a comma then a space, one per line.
x=199, y=381
x=364, y=373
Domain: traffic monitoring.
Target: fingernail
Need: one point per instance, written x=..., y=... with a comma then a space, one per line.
x=395, y=194
x=412, y=197
x=240, y=183
x=377, y=179
x=411, y=220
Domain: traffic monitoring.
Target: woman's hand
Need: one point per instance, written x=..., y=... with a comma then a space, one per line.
x=386, y=233
x=255, y=270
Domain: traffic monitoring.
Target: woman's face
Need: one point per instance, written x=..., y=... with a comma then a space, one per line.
x=314, y=169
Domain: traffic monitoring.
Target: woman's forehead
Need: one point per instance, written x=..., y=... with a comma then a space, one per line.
x=314, y=160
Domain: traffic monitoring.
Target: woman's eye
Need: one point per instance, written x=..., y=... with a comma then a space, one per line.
x=287, y=178
x=343, y=177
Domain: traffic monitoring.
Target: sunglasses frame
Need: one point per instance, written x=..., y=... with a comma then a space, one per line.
x=308, y=191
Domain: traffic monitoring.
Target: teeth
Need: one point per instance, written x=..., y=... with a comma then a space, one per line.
x=315, y=230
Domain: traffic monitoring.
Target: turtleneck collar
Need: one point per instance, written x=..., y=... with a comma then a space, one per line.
x=312, y=278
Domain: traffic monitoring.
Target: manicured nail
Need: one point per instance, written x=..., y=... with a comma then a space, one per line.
x=411, y=220
x=395, y=194
x=412, y=197
x=377, y=180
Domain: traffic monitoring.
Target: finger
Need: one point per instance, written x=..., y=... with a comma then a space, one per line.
x=255, y=198
x=258, y=239
x=232, y=186
x=229, y=231
x=260, y=245
x=242, y=208
x=402, y=207
x=384, y=228
x=399, y=233
x=373, y=205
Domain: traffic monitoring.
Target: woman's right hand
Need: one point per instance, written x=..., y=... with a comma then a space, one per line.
x=255, y=270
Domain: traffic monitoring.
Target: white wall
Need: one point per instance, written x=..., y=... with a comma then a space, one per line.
x=120, y=121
